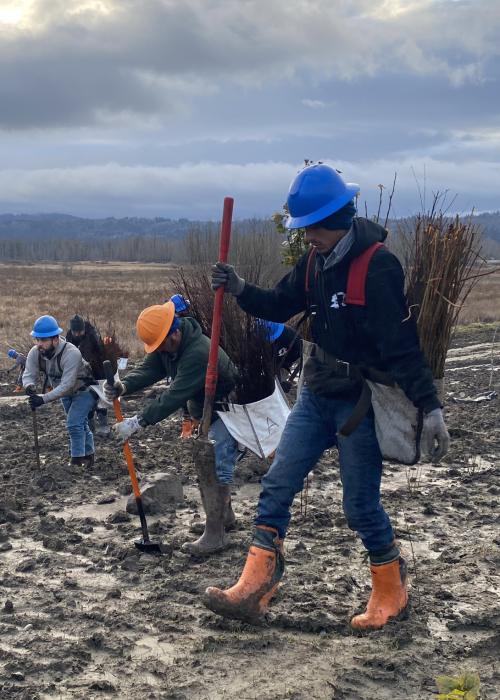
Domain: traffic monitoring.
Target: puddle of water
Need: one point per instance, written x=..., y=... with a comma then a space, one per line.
x=149, y=647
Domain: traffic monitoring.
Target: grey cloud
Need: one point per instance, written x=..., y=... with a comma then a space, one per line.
x=196, y=190
x=154, y=58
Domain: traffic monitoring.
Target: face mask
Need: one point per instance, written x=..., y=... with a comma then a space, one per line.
x=77, y=340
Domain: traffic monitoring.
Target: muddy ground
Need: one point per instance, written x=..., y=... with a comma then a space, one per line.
x=85, y=615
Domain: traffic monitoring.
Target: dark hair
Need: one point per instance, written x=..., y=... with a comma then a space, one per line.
x=77, y=323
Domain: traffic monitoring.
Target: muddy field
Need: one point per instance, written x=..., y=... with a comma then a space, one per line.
x=85, y=615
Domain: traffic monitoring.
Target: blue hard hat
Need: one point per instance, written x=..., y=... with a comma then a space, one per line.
x=273, y=330
x=181, y=304
x=12, y=353
x=317, y=192
x=46, y=327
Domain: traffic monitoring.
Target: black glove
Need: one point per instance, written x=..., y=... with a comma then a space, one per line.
x=35, y=400
x=30, y=390
x=224, y=274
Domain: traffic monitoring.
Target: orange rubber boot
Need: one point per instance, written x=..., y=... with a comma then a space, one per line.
x=389, y=596
x=248, y=599
x=187, y=428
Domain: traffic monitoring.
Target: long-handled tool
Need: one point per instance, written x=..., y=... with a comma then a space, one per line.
x=35, y=429
x=35, y=435
x=145, y=545
x=215, y=496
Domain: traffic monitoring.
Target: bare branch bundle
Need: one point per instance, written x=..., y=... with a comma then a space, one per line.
x=442, y=262
x=241, y=336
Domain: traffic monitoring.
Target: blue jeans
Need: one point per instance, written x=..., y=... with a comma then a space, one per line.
x=226, y=451
x=311, y=428
x=77, y=409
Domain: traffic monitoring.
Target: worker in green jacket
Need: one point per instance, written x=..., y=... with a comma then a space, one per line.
x=177, y=348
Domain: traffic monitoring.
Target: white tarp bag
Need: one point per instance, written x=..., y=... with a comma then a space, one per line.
x=258, y=425
x=98, y=390
x=398, y=423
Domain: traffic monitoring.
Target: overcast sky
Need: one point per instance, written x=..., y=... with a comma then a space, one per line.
x=163, y=107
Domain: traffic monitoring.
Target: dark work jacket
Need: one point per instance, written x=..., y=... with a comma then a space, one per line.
x=92, y=349
x=381, y=334
x=187, y=368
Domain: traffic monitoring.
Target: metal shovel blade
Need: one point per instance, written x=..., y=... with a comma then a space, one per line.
x=149, y=547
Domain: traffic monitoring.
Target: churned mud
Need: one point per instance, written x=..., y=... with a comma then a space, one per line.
x=83, y=614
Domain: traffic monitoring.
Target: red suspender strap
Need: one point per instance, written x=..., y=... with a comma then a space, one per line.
x=356, y=280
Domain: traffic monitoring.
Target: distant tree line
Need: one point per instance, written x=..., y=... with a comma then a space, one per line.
x=129, y=249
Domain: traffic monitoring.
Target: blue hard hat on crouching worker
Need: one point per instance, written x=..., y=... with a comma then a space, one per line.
x=273, y=330
x=181, y=303
x=316, y=193
x=46, y=327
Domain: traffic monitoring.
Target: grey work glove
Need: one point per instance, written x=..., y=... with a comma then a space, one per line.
x=435, y=437
x=113, y=392
x=224, y=274
x=127, y=427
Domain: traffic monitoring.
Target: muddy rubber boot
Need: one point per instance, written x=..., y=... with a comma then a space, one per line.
x=89, y=460
x=248, y=599
x=214, y=497
x=229, y=516
x=389, y=596
x=102, y=427
x=229, y=520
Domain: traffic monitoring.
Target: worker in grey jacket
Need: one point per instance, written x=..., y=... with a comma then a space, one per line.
x=69, y=376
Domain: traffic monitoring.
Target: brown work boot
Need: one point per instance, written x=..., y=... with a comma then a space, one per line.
x=389, y=596
x=248, y=599
x=187, y=429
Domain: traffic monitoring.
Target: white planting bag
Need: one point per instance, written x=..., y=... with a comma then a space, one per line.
x=258, y=425
x=398, y=423
x=98, y=390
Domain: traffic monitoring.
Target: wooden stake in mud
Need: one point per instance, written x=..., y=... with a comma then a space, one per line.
x=145, y=545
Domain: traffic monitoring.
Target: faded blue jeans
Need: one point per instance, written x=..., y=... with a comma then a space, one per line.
x=226, y=451
x=312, y=428
x=77, y=409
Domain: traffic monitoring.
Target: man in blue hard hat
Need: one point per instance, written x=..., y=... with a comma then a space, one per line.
x=69, y=376
x=367, y=329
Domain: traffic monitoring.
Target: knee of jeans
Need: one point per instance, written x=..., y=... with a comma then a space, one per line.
x=75, y=426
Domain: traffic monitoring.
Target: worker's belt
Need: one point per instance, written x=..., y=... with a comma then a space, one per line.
x=346, y=370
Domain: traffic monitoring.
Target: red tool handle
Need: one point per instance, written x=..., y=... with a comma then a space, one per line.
x=211, y=376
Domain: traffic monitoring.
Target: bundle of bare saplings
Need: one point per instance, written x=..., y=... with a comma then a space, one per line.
x=442, y=260
x=242, y=337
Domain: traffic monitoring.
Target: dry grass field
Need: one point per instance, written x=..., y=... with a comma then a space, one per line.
x=111, y=293
x=115, y=293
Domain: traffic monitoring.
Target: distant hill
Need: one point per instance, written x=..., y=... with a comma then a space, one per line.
x=50, y=226
x=64, y=226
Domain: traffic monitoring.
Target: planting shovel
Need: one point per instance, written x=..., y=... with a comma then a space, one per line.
x=214, y=495
x=145, y=545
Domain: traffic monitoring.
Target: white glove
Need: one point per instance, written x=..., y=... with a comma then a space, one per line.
x=435, y=437
x=127, y=427
x=113, y=392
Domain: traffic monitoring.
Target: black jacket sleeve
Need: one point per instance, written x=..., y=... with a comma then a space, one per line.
x=287, y=299
x=395, y=331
